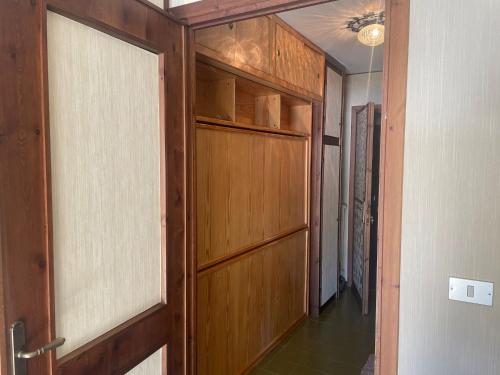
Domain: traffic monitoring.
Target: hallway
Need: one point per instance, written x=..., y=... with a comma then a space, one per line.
x=338, y=342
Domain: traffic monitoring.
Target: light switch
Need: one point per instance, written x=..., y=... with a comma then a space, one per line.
x=471, y=291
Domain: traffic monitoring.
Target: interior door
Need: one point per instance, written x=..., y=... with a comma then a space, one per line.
x=92, y=199
x=362, y=217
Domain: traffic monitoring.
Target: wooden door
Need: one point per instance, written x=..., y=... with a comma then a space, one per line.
x=362, y=217
x=92, y=203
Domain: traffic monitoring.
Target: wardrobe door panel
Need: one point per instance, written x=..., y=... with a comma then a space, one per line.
x=297, y=63
x=253, y=43
x=250, y=188
x=245, y=304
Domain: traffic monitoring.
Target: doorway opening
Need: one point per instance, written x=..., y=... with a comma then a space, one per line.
x=265, y=110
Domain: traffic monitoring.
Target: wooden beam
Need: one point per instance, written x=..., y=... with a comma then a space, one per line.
x=215, y=12
x=391, y=186
x=133, y=21
x=117, y=351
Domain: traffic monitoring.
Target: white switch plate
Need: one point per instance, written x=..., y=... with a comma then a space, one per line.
x=482, y=292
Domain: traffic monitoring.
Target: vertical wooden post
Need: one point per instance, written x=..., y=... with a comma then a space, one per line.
x=391, y=186
x=315, y=209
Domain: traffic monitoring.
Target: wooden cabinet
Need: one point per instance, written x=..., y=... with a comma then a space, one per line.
x=243, y=43
x=250, y=188
x=220, y=40
x=252, y=133
x=297, y=63
x=267, y=48
x=245, y=305
x=253, y=43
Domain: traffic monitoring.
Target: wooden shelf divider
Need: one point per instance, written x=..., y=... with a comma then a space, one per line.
x=239, y=125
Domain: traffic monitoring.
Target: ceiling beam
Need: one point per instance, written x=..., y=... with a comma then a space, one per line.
x=214, y=12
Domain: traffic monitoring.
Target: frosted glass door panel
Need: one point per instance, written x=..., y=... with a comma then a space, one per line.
x=150, y=366
x=105, y=168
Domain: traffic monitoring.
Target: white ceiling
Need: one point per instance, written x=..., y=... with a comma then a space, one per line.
x=325, y=24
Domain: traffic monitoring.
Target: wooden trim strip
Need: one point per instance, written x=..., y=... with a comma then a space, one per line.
x=240, y=130
x=391, y=186
x=238, y=125
x=122, y=348
x=274, y=344
x=315, y=209
x=250, y=248
x=130, y=20
x=208, y=57
x=330, y=140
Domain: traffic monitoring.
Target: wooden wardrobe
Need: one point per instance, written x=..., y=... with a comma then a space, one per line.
x=256, y=81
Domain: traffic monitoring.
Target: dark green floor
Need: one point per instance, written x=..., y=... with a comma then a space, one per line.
x=338, y=342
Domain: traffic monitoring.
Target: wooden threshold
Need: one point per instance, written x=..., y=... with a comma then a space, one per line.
x=239, y=125
x=249, y=249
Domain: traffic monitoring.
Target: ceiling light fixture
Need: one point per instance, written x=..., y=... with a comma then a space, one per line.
x=369, y=27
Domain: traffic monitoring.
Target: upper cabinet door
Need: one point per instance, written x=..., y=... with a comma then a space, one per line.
x=253, y=43
x=244, y=44
x=220, y=40
x=297, y=63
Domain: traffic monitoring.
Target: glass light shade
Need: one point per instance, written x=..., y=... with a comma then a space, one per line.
x=371, y=35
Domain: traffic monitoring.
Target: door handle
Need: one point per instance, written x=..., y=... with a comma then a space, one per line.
x=18, y=353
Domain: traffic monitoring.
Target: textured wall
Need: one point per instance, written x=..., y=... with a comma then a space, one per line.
x=451, y=199
x=330, y=232
x=105, y=160
x=360, y=89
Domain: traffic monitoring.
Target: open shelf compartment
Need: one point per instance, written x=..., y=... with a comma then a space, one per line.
x=224, y=96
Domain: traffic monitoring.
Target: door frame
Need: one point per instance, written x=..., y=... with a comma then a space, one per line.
x=391, y=156
x=25, y=196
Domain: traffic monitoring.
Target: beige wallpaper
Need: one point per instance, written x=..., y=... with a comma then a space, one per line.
x=451, y=202
x=159, y=3
x=105, y=161
x=150, y=366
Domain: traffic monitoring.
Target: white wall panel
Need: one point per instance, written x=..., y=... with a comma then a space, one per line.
x=105, y=160
x=330, y=215
x=333, y=103
x=176, y=3
x=451, y=191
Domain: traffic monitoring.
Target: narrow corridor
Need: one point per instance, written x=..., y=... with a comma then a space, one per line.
x=338, y=342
